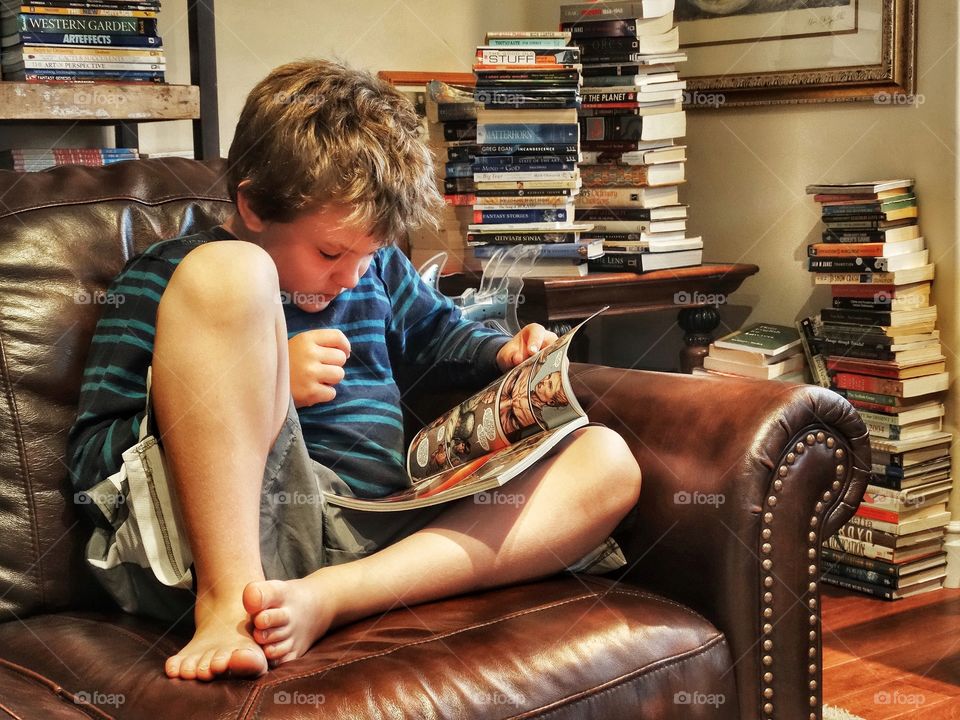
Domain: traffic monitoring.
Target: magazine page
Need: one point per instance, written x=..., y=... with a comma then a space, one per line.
x=492, y=436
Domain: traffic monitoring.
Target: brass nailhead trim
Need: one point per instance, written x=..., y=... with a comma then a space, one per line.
x=820, y=436
x=768, y=677
x=767, y=564
x=839, y=453
x=768, y=645
x=766, y=533
x=831, y=442
x=778, y=485
x=791, y=457
x=768, y=692
x=811, y=439
x=799, y=448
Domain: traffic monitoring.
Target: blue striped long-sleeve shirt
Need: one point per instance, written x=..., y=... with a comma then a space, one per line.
x=390, y=317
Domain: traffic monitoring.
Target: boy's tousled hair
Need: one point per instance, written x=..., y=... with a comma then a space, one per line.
x=316, y=132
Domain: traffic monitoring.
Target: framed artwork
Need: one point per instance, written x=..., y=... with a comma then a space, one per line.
x=414, y=83
x=774, y=52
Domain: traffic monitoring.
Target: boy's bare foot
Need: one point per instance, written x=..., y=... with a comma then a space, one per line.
x=222, y=643
x=288, y=615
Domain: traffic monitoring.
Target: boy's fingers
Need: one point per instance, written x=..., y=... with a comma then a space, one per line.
x=332, y=356
x=330, y=338
x=535, y=337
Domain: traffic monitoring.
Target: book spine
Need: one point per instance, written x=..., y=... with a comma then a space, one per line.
x=880, y=538
x=458, y=185
x=842, y=278
x=492, y=78
x=600, y=98
x=845, y=249
x=834, y=237
x=601, y=11
x=99, y=76
x=100, y=54
x=499, y=161
x=460, y=130
x=878, y=566
x=859, y=264
x=841, y=570
x=857, y=547
x=811, y=349
x=533, y=238
x=872, y=513
x=630, y=261
x=864, y=317
x=558, y=251
x=858, y=586
x=614, y=175
x=458, y=170
x=593, y=46
x=521, y=134
x=602, y=28
x=526, y=43
x=856, y=303
x=524, y=176
x=506, y=172
x=105, y=25
x=525, y=192
x=91, y=65
x=566, y=56
x=90, y=39
x=612, y=214
x=519, y=216
x=523, y=150
x=33, y=8
x=616, y=128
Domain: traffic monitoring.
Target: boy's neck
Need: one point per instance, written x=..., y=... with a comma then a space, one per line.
x=235, y=225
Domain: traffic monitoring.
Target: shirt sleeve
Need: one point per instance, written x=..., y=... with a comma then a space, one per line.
x=429, y=332
x=113, y=392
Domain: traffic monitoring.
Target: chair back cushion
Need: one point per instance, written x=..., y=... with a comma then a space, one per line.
x=64, y=234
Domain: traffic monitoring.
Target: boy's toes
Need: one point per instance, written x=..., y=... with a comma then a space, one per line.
x=272, y=618
x=188, y=668
x=204, y=671
x=278, y=650
x=172, y=666
x=261, y=595
x=220, y=662
x=272, y=634
x=247, y=662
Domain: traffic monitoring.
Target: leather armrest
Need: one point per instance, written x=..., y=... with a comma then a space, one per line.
x=742, y=480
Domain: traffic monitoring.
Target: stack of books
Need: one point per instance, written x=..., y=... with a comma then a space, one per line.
x=101, y=41
x=765, y=351
x=525, y=172
x=631, y=115
x=878, y=345
x=31, y=160
x=451, y=115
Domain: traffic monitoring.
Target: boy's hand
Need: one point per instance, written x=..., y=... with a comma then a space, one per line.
x=525, y=343
x=317, y=358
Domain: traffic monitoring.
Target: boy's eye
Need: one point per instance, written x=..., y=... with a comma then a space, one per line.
x=328, y=256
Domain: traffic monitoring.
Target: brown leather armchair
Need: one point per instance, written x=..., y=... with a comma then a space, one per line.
x=716, y=615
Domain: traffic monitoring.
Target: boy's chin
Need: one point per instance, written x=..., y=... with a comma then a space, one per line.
x=314, y=304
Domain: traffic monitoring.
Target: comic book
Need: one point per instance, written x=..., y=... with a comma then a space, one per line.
x=491, y=437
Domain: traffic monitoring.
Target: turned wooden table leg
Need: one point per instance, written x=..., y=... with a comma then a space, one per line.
x=698, y=324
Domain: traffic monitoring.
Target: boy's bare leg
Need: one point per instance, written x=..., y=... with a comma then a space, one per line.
x=569, y=505
x=221, y=393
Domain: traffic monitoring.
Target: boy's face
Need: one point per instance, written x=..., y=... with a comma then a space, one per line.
x=317, y=255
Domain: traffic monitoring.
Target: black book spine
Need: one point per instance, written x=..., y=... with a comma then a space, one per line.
x=588, y=214
x=879, y=566
x=867, y=317
x=859, y=264
x=602, y=28
x=630, y=262
x=593, y=46
x=855, y=303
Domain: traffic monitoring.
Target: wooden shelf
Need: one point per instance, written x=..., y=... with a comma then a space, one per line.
x=98, y=102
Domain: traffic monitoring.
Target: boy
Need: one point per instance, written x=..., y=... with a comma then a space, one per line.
x=257, y=402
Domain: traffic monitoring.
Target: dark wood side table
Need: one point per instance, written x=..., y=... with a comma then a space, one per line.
x=696, y=292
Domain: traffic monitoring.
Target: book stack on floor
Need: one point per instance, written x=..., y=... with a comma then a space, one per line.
x=101, y=41
x=525, y=168
x=878, y=345
x=452, y=135
x=765, y=351
x=32, y=160
x=631, y=116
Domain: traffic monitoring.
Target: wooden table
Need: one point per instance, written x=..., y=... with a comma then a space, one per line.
x=696, y=292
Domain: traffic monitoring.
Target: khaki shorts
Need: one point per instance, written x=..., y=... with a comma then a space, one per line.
x=299, y=532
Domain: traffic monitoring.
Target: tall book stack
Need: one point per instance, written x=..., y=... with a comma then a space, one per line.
x=452, y=135
x=525, y=168
x=100, y=41
x=880, y=348
x=631, y=116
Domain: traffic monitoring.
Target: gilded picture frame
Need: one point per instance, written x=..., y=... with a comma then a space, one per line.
x=780, y=52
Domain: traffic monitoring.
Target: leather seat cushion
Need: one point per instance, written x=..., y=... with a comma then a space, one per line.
x=579, y=647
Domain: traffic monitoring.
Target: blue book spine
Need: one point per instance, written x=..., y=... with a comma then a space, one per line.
x=498, y=161
x=527, y=134
x=97, y=74
x=31, y=38
x=519, y=216
x=459, y=170
x=559, y=251
x=527, y=167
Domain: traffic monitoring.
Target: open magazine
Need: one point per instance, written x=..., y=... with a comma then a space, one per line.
x=491, y=437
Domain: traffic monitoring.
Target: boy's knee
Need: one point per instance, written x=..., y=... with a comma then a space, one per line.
x=616, y=467
x=231, y=276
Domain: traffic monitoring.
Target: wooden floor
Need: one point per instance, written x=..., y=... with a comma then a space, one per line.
x=897, y=659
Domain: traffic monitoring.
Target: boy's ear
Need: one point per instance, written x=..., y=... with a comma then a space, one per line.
x=245, y=210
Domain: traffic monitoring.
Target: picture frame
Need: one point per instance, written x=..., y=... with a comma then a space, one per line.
x=413, y=83
x=783, y=52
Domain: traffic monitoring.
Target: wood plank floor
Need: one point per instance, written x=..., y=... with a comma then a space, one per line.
x=884, y=660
